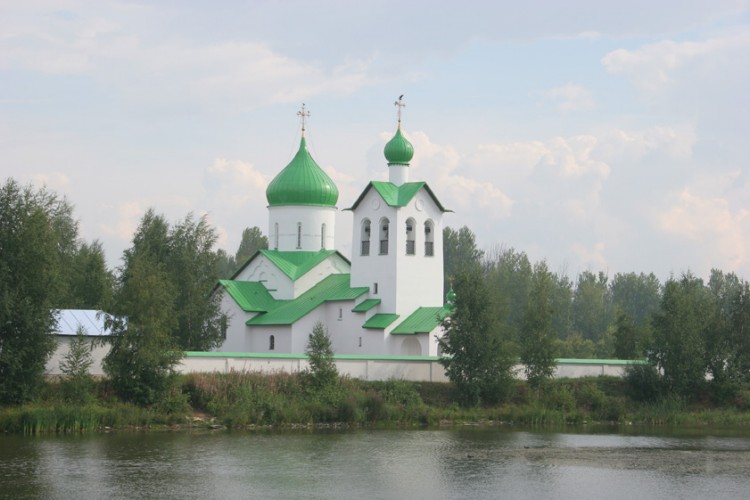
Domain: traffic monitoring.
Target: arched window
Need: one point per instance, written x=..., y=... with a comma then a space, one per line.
x=271, y=343
x=410, y=236
x=299, y=235
x=323, y=236
x=365, y=237
x=276, y=236
x=384, y=225
x=429, y=239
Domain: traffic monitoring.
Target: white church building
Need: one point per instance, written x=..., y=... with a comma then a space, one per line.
x=388, y=300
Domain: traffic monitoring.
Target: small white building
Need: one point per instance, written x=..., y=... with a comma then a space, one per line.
x=387, y=301
x=91, y=322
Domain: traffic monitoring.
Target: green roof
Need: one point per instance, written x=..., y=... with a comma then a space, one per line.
x=423, y=320
x=333, y=288
x=398, y=151
x=398, y=196
x=302, y=182
x=365, y=305
x=296, y=264
x=380, y=320
x=251, y=296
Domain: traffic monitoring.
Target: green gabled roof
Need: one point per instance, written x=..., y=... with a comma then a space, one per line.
x=334, y=287
x=380, y=320
x=398, y=196
x=302, y=182
x=296, y=264
x=423, y=320
x=251, y=296
x=365, y=305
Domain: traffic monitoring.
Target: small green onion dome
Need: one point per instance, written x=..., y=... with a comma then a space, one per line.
x=302, y=182
x=398, y=151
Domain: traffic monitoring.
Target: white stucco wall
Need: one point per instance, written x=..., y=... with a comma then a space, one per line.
x=98, y=351
x=311, y=219
x=405, y=282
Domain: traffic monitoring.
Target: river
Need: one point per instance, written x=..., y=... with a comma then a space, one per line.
x=472, y=463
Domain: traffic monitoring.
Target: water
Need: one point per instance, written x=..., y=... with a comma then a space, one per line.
x=414, y=464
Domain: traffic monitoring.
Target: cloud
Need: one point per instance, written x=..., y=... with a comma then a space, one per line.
x=53, y=180
x=706, y=220
x=652, y=67
x=570, y=97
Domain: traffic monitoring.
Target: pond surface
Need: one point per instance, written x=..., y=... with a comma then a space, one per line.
x=438, y=464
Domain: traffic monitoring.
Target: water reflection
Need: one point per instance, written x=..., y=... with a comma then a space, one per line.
x=456, y=463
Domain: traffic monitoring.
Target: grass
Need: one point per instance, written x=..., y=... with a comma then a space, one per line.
x=249, y=400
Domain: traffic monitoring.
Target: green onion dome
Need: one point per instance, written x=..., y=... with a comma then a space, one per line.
x=302, y=182
x=398, y=151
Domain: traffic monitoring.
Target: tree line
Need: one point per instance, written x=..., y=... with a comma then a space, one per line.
x=508, y=308
x=159, y=299
x=693, y=334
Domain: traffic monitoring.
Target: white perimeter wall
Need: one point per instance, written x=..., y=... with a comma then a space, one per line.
x=421, y=369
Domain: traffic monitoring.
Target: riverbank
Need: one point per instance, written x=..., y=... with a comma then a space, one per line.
x=241, y=400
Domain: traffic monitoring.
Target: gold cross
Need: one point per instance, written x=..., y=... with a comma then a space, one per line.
x=302, y=113
x=400, y=104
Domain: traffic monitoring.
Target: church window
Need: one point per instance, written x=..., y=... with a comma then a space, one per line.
x=365, y=248
x=341, y=314
x=360, y=342
x=410, y=237
x=429, y=239
x=276, y=236
x=299, y=235
x=384, y=226
x=375, y=289
x=323, y=236
x=271, y=343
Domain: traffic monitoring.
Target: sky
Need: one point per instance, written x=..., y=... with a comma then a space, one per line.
x=598, y=136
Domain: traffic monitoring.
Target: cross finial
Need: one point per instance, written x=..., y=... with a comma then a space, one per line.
x=303, y=113
x=400, y=104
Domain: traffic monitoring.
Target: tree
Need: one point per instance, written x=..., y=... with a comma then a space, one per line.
x=678, y=349
x=191, y=267
x=78, y=384
x=509, y=276
x=141, y=360
x=252, y=241
x=30, y=281
x=323, y=371
x=591, y=311
x=627, y=341
x=538, y=348
x=90, y=282
x=459, y=252
x=477, y=357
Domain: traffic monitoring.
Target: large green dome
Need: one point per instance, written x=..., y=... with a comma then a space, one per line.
x=398, y=151
x=302, y=182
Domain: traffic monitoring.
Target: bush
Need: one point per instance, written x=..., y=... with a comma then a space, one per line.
x=643, y=383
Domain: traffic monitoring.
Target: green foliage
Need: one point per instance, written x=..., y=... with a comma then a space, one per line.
x=252, y=241
x=77, y=384
x=678, y=330
x=143, y=353
x=644, y=383
x=459, y=253
x=538, y=349
x=627, y=341
x=478, y=359
x=323, y=372
x=34, y=227
x=576, y=347
x=591, y=311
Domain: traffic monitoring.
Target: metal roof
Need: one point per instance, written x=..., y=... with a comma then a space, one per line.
x=296, y=264
x=333, y=288
x=251, y=296
x=423, y=320
x=92, y=322
x=302, y=182
x=398, y=151
x=398, y=196
x=365, y=305
x=380, y=320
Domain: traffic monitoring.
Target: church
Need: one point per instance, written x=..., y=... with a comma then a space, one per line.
x=386, y=300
